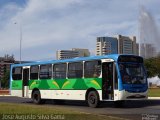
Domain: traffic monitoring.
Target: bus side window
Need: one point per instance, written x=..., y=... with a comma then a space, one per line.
x=75, y=70
x=59, y=71
x=17, y=73
x=34, y=72
x=92, y=69
x=45, y=71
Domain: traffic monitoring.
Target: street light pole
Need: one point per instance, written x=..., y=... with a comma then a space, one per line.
x=20, y=51
x=20, y=42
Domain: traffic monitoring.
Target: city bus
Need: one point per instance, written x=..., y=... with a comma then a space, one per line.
x=115, y=77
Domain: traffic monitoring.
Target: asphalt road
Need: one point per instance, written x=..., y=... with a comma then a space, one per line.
x=135, y=110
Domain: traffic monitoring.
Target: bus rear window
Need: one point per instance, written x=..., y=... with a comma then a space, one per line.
x=17, y=73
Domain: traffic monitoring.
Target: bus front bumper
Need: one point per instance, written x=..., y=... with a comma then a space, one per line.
x=125, y=95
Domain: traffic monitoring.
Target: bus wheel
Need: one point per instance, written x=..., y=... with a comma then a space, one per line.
x=36, y=97
x=93, y=99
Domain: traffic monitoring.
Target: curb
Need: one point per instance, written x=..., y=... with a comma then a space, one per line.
x=154, y=98
x=5, y=95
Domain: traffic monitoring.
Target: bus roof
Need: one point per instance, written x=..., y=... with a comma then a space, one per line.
x=111, y=56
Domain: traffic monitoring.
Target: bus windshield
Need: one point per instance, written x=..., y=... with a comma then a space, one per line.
x=132, y=73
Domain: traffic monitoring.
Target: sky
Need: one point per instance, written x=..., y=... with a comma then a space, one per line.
x=51, y=25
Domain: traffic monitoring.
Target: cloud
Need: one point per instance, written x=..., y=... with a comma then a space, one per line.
x=51, y=25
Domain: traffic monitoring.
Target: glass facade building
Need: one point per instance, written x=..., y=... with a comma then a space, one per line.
x=116, y=45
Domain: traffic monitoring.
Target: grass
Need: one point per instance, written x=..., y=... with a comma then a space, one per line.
x=46, y=112
x=154, y=92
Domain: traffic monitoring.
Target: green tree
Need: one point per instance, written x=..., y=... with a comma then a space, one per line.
x=5, y=80
x=157, y=63
x=153, y=66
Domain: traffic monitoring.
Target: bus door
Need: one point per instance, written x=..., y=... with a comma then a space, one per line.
x=25, y=83
x=108, y=80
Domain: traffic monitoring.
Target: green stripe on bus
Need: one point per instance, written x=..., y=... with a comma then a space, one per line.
x=66, y=84
x=17, y=85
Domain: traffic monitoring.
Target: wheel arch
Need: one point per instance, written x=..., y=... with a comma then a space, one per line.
x=91, y=89
x=35, y=89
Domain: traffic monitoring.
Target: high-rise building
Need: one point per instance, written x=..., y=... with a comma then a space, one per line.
x=82, y=52
x=137, y=49
x=127, y=45
x=147, y=50
x=75, y=52
x=116, y=45
x=106, y=45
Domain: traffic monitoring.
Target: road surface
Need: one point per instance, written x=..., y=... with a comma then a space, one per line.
x=135, y=110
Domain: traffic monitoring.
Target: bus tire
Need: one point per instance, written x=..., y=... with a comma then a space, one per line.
x=93, y=99
x=36, y=97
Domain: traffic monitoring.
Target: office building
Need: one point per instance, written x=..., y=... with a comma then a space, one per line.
x=106, y=45
x=127, y=45
x=82, y=52
x=147, y=50
x=74, y=52
x=117, y=45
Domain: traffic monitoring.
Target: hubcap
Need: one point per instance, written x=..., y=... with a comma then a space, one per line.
x=36, y=97
x=92, y=99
